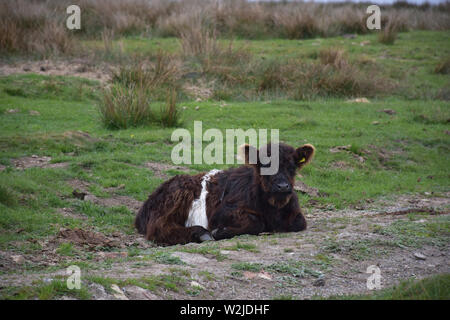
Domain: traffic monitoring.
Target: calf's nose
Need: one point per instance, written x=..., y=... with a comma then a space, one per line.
x=283, y=187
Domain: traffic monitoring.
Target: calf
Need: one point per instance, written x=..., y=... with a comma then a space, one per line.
x=222, y=204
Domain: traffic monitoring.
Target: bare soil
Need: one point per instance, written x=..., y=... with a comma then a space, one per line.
x=75, y=68
x=330, y=272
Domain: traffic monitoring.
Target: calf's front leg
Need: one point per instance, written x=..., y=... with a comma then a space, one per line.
x=235, y=223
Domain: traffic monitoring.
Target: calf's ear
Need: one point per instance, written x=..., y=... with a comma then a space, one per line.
x=249, y=154
x=304, y=155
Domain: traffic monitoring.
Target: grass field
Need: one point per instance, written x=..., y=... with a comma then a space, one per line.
x=395, y=144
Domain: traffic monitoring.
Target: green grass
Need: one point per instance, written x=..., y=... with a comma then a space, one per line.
x=433, y=288
x=242, y=246
x=407, y=152
x=247, y=266
x=65, y=249
x=434, y=231
x=411, y=61
x=44, y=291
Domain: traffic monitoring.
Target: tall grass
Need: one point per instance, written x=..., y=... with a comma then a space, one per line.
x=126, y=106
x=39, y=26
x=170, y=116
x=388, y=34
x=32, y=27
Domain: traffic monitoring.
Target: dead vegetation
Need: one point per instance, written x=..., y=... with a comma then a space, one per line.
x=34, y=26
x=223, y=71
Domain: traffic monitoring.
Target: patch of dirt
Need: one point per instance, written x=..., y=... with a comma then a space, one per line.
x=81, y=191
x=75, y=68
x=341, y=165
x=340, y=149
x=79, y=138
x=37, y=161
x=71, y=213
x=388, y=111
x=201, y=90
x=85, y=237
x=159, y=168
x=303, y=188
x=116, y=201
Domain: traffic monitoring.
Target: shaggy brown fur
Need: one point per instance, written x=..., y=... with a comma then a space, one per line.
x=239, y=201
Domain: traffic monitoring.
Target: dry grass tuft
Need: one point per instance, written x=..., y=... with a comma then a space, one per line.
x=443, y=67
x=125, y=106
x=170, y=116
x=388, y=33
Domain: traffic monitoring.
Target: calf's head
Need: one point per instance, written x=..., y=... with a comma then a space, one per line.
x=276, y=166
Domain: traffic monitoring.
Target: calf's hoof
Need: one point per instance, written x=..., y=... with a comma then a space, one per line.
x=206, y=237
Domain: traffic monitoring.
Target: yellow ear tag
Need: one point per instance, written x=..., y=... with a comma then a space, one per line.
x=303, y=160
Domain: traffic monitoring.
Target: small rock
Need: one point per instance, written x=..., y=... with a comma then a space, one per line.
x=197, y=285
x=197, y=108
x=419, y=256
x=118, y=292
x=375, y=123
x=18, y=259
x=12, y=110
x=34, y=113
x=138, y=293
x=98, y=291
x=319, y=282
x=184, y=107
x=26, y=68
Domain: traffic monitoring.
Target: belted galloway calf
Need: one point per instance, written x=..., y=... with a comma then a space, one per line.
x=223, y=204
